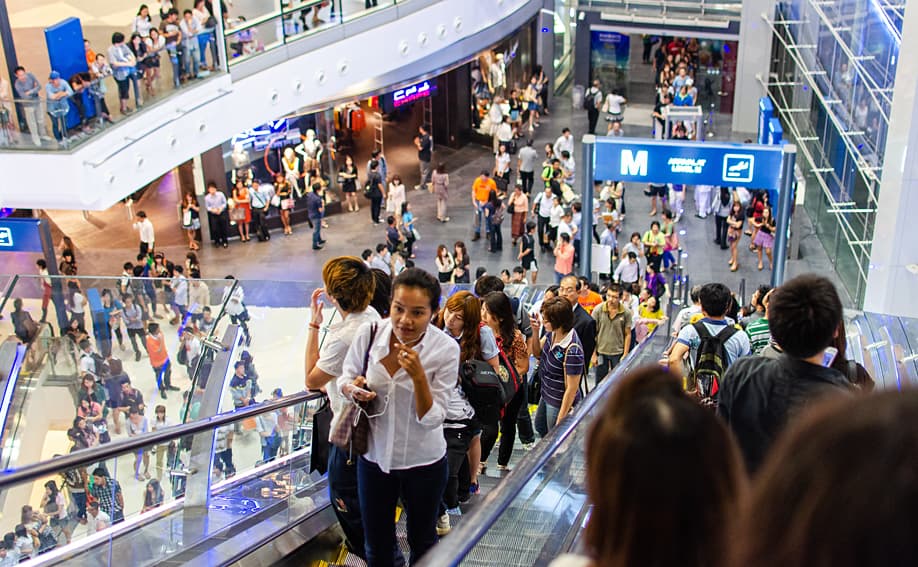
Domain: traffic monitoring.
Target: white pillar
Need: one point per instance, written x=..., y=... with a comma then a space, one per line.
x=891, y=288
x=754, y=59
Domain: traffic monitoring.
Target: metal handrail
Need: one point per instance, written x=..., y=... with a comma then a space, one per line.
x=452, y=550
x=85, y=457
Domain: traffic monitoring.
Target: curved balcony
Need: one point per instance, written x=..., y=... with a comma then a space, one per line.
x=410, y=40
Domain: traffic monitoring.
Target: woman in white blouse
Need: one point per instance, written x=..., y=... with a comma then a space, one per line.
x=395, y=198
x=412, y=367
x=143, y=23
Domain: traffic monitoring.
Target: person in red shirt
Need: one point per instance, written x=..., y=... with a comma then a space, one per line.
x=159, y=359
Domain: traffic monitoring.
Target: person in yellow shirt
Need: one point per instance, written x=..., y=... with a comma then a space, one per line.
x=654, y=242
x=481, y=188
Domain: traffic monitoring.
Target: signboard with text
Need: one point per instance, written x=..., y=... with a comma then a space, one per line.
x=408, y=94
x=690, y=163
x=20, y=235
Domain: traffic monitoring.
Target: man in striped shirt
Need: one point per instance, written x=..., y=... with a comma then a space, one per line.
x=758, y=331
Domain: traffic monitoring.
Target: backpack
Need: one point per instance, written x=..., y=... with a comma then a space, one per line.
x=710, y=363
x=100, y=367
x=589, y=99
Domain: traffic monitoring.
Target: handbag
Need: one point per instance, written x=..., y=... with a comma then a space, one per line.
x=275, y=201
x=288, y=204
x=186, y=218
x=321, y=426
x=352, y=430
x=416, y=234
x=237, y=214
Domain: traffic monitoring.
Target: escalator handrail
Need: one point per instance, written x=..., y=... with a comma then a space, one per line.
x=85, y=457
x=452, y=550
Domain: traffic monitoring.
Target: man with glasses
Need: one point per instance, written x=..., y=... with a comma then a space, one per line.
x=584, y=324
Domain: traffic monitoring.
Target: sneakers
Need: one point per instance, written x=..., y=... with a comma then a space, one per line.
x=528, y=446
x=501, y=467
x=443, y=526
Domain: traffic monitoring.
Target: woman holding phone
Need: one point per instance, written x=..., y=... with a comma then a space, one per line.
x=411, y=368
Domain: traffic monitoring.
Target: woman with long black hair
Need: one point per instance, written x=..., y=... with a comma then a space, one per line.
x=497, y=313
x=721, y=212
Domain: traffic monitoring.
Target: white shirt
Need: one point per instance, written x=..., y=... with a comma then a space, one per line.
x=613, y=104
x=628, y=272
x=398, y=439
x=570, y=167
x=234, y=306
x=545, y=204
x=334, y=349
x=77, y=304
x=87, y=364
x=503, y=162
x=97, y=524
x=684, y=316
x=564, y=143
x=146, y=230
x=504, y=132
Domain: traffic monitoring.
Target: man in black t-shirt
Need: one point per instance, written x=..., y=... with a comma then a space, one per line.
x=424, y=144
x=392, y=235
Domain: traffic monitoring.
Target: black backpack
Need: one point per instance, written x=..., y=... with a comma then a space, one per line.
x=710, y=363
x=589, y=99
x=100, y=367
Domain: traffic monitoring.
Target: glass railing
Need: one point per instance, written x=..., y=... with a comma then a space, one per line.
x=92, y=104
x=708, y=9
x=223, y=481
x=275, y=23
x=537, y=511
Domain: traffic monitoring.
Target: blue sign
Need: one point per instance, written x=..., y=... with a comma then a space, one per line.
x=689, y=163
x=20, y=235
x=766, y=113
x=775, y=132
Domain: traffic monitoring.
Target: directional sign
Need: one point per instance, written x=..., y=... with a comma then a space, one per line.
x=20, y=235
x=689, y=163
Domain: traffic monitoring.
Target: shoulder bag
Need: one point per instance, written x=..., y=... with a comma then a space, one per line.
x=352, y=431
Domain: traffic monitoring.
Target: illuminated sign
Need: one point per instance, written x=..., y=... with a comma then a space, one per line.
x=410, y=94
x=688, y=163
x=259, y=137
x=20, y=235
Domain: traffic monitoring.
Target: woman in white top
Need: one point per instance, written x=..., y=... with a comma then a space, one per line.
x=411, y=370
x=160, y=421
x=143, y=23
x=445, y=264
x=155, y=44
x=502, y=165
x=395, y=198
x=613, y=107
x=349, y=287
x=664, y=477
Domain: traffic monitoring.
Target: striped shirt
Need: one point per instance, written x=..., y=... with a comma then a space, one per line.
x=759, y=334
x=553, y=367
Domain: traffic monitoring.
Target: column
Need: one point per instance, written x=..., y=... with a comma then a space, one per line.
x=890, y=284
x=754, y=59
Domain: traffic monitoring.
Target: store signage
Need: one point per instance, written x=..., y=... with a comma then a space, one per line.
x=689, y=163
x=410, y=94
x=20, y=235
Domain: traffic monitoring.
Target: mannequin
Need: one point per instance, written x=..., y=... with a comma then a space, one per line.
x=497, y=75
x=241, y=168
x=310, y=149
x=292, y=169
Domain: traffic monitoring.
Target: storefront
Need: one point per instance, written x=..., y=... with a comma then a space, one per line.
x=498, y=75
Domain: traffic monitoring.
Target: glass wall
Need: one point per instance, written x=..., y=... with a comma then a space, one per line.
x=254, y=26
x=835, y=68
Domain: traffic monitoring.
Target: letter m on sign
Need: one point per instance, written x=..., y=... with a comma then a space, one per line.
x=634, y=163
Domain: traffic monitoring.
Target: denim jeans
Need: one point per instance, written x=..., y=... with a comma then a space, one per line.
x=176, y=69
x=342, y=490
x=191, y=58
x=58, y=125
x=420, y=490
x=316, y=232
x=545, y=418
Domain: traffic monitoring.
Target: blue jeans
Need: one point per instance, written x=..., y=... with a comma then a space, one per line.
x=191, y=58
x=79, y=498
x=545, y=418
x=176, y=69
x=668, y=258
x=58, y=125
x=420, y=489
x=316, y=231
